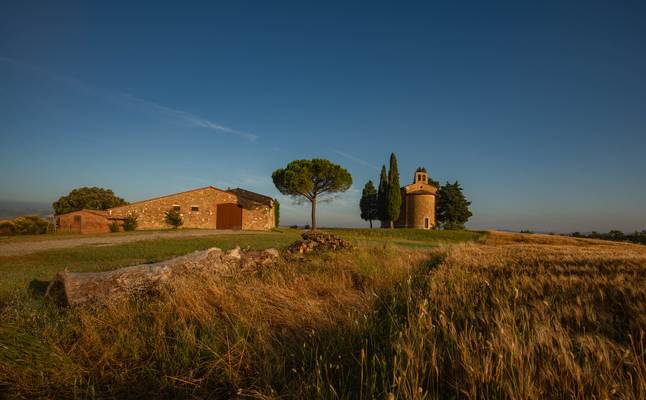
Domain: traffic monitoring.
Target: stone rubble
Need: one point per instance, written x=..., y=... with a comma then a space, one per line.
x=317, y=241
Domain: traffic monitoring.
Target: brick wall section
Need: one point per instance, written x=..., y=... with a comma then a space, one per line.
x=90, y=222
x=151, y=212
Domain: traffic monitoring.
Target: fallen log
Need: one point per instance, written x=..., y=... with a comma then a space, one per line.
x=73, y=288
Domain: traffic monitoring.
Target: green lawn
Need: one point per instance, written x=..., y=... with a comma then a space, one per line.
x=22, y=272
x=19, y=271
x=408, y=237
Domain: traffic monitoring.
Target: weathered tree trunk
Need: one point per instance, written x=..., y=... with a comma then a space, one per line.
x=70, y=288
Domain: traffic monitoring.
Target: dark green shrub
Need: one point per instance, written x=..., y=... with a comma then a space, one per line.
x=7, y=228
x=453, y=226
x=114, y=227
x=30, y=225
x=173, y=218
x=130, y=222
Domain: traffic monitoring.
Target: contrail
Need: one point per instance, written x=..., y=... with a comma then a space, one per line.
x=355, y=159
x=125, y=99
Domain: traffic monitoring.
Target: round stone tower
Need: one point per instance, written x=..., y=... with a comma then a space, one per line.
x=419, y=207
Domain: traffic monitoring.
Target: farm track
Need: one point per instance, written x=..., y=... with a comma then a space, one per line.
x=15, y=248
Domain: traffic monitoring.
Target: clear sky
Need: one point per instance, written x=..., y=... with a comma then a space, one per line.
x=538, y=108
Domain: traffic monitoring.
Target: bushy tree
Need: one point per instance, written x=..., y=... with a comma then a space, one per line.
x=7, y=228
x=616, y=235
x=90, y=198
x=24, y=225
x=311, y=179
x=130, y=222
x=452, y=207
x=382, y=195
x=368, y=203
x=30, y=225
x=393, y=193
x=173, y=218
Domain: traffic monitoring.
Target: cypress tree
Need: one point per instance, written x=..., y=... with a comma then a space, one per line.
x=381, y=196
x=393, y=193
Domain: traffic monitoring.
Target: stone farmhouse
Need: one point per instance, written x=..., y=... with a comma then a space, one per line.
x=207, y=207
x=418, y=203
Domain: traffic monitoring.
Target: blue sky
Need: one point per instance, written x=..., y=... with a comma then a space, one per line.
x=538, y=108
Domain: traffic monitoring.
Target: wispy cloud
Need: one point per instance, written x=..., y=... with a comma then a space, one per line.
x=128, y=99
x=355, y=159
x=192, y=119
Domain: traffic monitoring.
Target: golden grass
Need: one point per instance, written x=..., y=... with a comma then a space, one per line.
x=531, y=321
x=500, y=238
x=509, y=318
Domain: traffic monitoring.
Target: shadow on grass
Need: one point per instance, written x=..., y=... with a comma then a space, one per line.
x=37, y=288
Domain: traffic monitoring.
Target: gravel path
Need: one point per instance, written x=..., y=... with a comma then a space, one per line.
x=27, y=247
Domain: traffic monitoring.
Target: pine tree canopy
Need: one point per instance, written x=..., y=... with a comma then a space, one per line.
x=311, y=179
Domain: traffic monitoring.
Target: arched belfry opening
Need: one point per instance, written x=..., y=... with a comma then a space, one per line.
x=421, y=176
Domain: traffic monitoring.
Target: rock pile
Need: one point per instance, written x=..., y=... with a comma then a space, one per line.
x=317, y=241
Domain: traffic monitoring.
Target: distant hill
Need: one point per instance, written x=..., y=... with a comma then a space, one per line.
x=11, y=208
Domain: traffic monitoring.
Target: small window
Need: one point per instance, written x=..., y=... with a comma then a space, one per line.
x=195, y=208
x=176, y=207
x=77, y=219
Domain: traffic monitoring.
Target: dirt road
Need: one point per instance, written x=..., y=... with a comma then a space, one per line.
x=13, y=248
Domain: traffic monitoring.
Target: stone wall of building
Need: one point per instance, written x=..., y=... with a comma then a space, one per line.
x=84, y=221
x=257, y=216
x=198, y=209
x=420, y=206
x=418, y=203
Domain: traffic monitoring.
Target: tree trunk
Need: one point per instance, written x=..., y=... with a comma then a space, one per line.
x=370, y=224
x=71, y=288
x=392, y=225
x=314, y=213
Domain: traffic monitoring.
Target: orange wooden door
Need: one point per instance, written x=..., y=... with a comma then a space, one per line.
x=229, y=216
x=77, y=226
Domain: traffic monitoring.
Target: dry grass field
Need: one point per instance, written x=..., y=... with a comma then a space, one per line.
x=505, y=316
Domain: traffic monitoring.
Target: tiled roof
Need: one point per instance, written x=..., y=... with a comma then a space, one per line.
x=257, y=197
